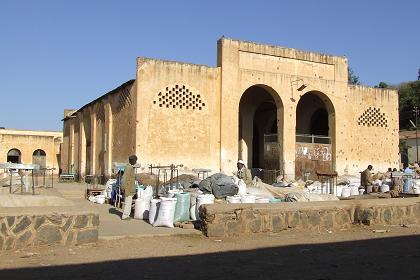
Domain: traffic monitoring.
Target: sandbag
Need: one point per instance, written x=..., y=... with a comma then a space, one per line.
x=345, y=192
x=220, y=185
x=193, y=201
x=241, y=187
x=141, y=209
x=203, y=199
x=145, y=194
x=182, y=207
x=166, y=213
x=154, y=210
x=108, y=187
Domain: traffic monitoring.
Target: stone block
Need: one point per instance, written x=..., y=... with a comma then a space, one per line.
x=255, y=225
x=215, y=230
x=3, y=229
x=387, y=215
x=292, y=219
x=70, y=237
x=39, y=221
x=95, y=220
x=87, y=236
x=67, y=224
x=23, y=240
x=327, y=220
x=314, y=218
x=233, y=228
x=81, y=221
x=10, y=221
x=368, y=216
x=24, y=223
x=10, y=243
x=1, y=243
x=55, y=219
x=49, y=234
x=342, y=218
x=278, y=223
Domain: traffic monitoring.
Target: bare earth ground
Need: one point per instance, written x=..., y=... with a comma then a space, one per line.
x=358, y=253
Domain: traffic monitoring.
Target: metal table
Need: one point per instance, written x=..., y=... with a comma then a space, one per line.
x=26, y=168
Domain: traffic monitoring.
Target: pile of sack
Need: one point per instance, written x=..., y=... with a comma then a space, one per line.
x=165, y=211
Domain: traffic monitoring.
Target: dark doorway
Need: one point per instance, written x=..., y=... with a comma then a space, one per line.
x=14, y=156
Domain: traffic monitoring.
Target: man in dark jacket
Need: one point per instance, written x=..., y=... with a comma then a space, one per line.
x=128, y=185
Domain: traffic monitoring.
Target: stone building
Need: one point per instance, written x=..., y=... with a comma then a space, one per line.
x=276, y=108
x=29, y=146
x=410, y=146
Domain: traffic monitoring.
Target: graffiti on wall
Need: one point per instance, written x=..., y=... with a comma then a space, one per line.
x=314, y=151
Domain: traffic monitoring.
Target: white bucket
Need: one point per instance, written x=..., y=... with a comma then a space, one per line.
x=262, y=200
x=384, y=188
x=248, y=199
x=203, y=199
x=233, y=199
x=345, y=192
x=100, y=199
x=361, y=191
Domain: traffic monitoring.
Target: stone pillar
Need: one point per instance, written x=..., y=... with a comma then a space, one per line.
x=108, y=139
x=287, y=140
x=82, y=146
x=93, y=157
x=71, y=147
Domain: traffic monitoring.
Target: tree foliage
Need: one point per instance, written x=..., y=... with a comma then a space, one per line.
x=353, y=79
x=409, y=97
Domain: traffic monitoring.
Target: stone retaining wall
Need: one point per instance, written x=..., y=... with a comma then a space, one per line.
x=23, y=230
x=223, y=220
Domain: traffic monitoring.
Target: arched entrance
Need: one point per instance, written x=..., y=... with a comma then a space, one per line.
x=14, y=156
x=39, y=157
x=315, y=127
x=260, y=121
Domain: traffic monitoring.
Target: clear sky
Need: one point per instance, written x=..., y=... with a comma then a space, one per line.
x=62, y=54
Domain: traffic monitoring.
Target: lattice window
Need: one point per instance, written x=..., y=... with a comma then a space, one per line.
x=179, y=97
x=373, y=117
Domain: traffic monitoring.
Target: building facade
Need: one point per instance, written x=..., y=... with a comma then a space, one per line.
x=276, y=108
x=31, y=147
x=410, y=142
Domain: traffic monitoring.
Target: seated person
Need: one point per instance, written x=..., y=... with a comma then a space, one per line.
x=243, y=173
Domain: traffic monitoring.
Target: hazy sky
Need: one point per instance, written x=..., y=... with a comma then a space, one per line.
x=63, y=54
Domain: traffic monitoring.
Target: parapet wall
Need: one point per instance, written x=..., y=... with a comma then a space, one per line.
x=228, y=220
x=21, y=230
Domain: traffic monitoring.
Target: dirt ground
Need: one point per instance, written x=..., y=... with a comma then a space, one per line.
x=359, y=253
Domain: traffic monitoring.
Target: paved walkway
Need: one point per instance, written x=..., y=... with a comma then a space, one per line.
x=111, y=226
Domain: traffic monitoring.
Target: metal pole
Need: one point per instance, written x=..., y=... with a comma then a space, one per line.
x=417, y=144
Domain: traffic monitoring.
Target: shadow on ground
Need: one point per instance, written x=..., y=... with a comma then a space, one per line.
x=386, y=258
x=115, y=211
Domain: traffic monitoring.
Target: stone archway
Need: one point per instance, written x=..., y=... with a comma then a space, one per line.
x=315, y=135
x=39, y=157
x=260, y=128
x=14, y=156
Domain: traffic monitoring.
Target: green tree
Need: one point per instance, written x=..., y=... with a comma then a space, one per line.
x=353, y=79
x=382, y=85
x=409, y=97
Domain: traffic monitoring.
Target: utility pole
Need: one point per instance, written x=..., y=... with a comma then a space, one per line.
x=416, y=112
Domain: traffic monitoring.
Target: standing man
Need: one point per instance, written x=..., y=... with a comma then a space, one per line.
x=366, y=178
x=128, y=185
x=243, y=173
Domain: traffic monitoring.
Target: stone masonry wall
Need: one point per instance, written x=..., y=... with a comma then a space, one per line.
x=238, y=219
x=53, y=229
